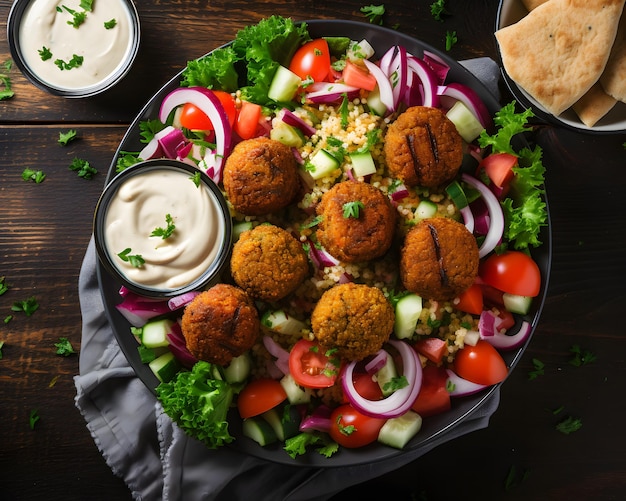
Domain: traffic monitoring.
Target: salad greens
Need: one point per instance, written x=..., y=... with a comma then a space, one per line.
x=199, y=403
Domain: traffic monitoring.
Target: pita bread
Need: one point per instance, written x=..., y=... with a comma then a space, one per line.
x=613, y=79
x=593, y=105
x=532, y=4
x=559, y=50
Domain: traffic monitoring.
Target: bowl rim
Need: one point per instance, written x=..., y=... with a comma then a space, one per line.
x=104, y=256
x=13, y=22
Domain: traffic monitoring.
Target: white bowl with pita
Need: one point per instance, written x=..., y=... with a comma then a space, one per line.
x=566, y=59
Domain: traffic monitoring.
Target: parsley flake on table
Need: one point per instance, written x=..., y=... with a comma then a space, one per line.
x=374, y=13
x=1, y=346
x=135, y=260
x=33, y=175
x=538, y=369
x=28, y=306
x=64, y=347
x=4, y=287
x=352, y=209
x=33, y=418
x=451, y=39
x=5, y=80
x=580, y=357
x=74, y=62
x=108, y=25
x=569, y=425
x=167, y=231
x=83, y=168
x=66, y=137
x=438, y=10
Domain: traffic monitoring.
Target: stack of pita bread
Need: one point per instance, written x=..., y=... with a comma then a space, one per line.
x=569, y=54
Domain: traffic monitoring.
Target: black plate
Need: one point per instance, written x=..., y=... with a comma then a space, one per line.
x=433, y=427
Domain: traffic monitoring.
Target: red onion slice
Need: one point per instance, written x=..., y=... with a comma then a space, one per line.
x=427, y=79
x=384, y=85
x=461, y=387
x=504, y=341
x=377, y=362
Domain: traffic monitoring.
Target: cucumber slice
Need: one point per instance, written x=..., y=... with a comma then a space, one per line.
x=284, y=85
x=375, y=104
x=362, y=164
x=296, y=394
x=322, y=164
x=360, y=50
x=147, y=355
x=396, y=432
x=465, y=122
x=385, y=375
x=239, y=228
x=165, y=367
x=238, y=370
x=154, y=333
x=425, y=209
x=259, y=430
x=285, y=421
x=517, y=304
x=280, y=322
x=286, y=134
x=408, y=310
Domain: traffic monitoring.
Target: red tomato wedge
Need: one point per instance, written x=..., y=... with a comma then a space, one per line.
x=434, y=397
x=310, y=366
x=312, y=60
x=480, y=364
x=247, y=122
x=432, y=348
x=259, y=396
x=358, y=77
x=366, y=386
x=350, y=428
x=471, y=300
x=499, y=168
x=193, y=118
x=512, y=271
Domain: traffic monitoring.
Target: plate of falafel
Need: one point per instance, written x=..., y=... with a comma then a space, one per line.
x=365, y=225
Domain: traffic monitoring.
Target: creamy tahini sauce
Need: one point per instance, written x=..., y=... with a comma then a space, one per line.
x=103, y=50
x=140, y=206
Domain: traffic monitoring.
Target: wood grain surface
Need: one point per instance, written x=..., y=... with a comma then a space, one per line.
x=45, y=228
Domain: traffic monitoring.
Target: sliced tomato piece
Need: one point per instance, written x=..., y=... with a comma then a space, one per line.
x=514, y=272
x=499, y=168
x=358, y=77
x=434, y=397
x=366, y=386
x=312, y=60
x=351, y=429
x=432, y=348
x=471, y=300
x=311, y=367
x=259, y=396
x=480, y=364
x=248, y=118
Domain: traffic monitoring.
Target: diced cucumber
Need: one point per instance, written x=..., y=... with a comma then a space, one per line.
x=465, y=122
x=154, y=333
x=284, y=85
x=322, y=164
x=284, y=420
x=165, y=367
x=396, y=432
x=425, y=209
x=360, y=50
x=517, y=304
x=238, y=369
x=147, y=355
x=239, y=228
x=385, y=375
x=286, y=134
x=280, y=322
x=362, y=164
x=296, y=394
x=259, y=430
x=375, y=104
x=408, y=309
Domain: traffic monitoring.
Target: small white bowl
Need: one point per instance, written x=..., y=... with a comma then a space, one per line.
x=35, y=25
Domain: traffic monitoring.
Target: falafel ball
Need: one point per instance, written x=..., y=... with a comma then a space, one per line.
x=357, y=222
x=439, y=259
x=423, y=148
x=354, y=319
x=268, y=262
x=261, y=176
x=220, y=323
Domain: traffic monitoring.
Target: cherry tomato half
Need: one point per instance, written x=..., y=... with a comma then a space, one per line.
x=310, y=366
x=366, y=386
x=480, y=364
x=193, y=118
x=351, y=429
x=471, y=300
x=434, y=397
x=259, y=396
x=512, y=271
x=312, y=60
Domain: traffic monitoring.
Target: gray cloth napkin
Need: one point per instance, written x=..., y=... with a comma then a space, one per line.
x=158, y=461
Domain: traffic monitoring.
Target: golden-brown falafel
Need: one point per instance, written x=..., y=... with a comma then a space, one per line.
x=220, y=323
x=439, y=259
x=361, y=234
x=354, y=319
x=268, y=262
x=423, y=148
x=261, y=176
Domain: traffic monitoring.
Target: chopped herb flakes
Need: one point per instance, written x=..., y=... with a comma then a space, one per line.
x=28, y=306
x=167, y=231
x=569, y=425
x=82, y=168
x=5, y=80
x=1, y=346
x=66, y=137
x=538, y=369
x=33, y=418
x=64, y=347
x=135, y=260
x=451, y=39
x=75, y=62
x=580, y=357
x=45, y=53
x=374, y=13
x=110, y=24
x=352, y=209
x=33, y=175
x=4, y=287
x=438, y=10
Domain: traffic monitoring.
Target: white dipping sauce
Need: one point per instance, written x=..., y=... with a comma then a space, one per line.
x=141, y=204
x=104, y=51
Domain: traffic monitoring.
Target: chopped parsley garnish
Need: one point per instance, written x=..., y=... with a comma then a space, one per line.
x=537, y=371
x=396, y=383
x=45, y=53
x=450, y=386
x=64, y=347
x=86, y=5
x=513, y=479
x=312, y=223
x=374, y=13
x=345, y=430
x=28, y=306
x=66, y=137
x=83, y=168
x=33, y=417
x=7, y=319
x=136, y=261
x=78, y=18
x=167, y=231
x=5, y=80
x=298, y=444
x=352, y=209
x=33, y=175
x=438, y=9
x=75, y=62
x=569, y=425
x=451, y=39
x=126, y=159
x=196, y=178
x=110, y=24
x=344, y=111
x=580, y=357
x=149, y=128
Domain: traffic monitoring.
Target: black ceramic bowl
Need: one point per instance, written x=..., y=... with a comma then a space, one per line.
x=110, y=77
x=219, y=222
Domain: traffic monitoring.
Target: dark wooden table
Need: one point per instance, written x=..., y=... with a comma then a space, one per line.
x=45, y=228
